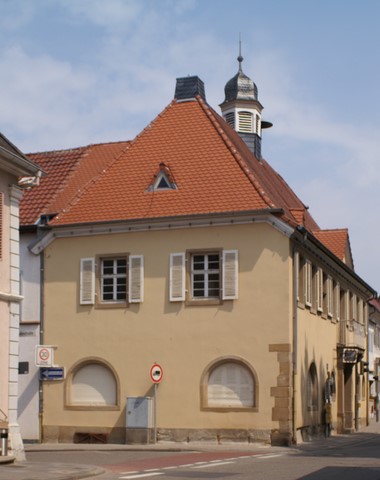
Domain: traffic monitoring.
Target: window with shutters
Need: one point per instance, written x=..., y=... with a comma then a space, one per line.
x=92, y=384
x=229, y=384
x=200, y=277
x=112, y=280
x=308, y=283
x=319, y=289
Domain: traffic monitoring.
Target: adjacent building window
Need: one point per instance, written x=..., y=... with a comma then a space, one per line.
x=337, y=301
x=308, y=283
x=330, y=296
x=229, y=384
x=204, y=276
x=112, y=280
x=93, y=385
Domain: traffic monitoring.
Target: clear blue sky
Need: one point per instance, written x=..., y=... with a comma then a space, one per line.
x=74, y=72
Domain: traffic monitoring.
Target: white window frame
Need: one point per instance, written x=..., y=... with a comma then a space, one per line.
x=319, y=290
x=207, y=273
x=90, y=281
x=228, y=276
x=330, y=296
x=307, y=276
x=337, y=301
x=115, y=276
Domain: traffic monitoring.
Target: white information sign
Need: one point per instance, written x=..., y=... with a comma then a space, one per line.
x=44, y=356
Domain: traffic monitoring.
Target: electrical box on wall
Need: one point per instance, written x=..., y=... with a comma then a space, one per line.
x=139, y=412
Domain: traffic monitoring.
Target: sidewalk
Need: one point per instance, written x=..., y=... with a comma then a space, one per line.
x=60, y=471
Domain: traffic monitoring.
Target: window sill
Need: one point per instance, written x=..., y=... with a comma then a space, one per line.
x=229, y=409
x=93, y=407
x=203, y=302
x=107, y=305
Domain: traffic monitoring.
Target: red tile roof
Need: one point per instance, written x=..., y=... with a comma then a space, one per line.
x=213, y=169
x=67, y=172
x=375, y=302
x=335, y=240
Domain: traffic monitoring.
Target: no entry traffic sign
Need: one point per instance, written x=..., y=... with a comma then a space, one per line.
x=156, y=373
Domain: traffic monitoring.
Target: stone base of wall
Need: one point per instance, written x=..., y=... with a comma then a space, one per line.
x=213, y=435
x=66, y=434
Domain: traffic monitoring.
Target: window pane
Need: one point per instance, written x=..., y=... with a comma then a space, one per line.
x=205, y=275
x=114, y=279
x=198, y=262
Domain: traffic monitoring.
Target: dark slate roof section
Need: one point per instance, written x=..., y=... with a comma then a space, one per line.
x=188, y=88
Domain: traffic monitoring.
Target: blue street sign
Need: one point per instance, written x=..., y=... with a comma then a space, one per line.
x=52, y=373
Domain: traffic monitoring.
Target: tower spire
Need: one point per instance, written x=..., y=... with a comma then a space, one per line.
x=242, y=110
x=240, y=58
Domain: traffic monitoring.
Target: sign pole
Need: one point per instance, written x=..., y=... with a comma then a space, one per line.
x=156, y=374
x=154, y=413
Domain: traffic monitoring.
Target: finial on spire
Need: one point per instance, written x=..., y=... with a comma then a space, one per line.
x=240, y=58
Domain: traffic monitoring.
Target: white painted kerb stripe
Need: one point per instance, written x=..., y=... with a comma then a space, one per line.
x=214, y=464
x=141, y=475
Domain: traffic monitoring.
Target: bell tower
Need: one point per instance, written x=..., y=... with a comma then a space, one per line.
x=242, y=110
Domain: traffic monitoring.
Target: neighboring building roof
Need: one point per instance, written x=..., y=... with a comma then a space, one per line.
x=214, y=172
x=338, y=242
x=12, y=160
x=67, y=173
x=375, y=302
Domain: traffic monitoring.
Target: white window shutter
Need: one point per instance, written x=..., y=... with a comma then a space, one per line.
x=136, y=279
x=87, y=281
x=230, y=274
x=177, y=277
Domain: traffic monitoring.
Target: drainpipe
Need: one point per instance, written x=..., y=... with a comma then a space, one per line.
x=40, y=389
x=295, y=345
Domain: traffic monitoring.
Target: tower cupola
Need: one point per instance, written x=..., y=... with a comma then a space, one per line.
x=242, y=110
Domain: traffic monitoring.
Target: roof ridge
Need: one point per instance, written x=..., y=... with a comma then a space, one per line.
x=66, y=179
x=78, y=194
x=344, y=229
x=97, y=177
x=241, y=162
x=75, y=149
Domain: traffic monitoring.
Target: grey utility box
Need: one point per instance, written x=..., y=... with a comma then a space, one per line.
x=138, y=419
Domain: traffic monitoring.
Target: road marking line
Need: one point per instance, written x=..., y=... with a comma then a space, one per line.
x=212, y=464
x=169, y=468
x=152, y=469
x=268, y=455
x=141, y=475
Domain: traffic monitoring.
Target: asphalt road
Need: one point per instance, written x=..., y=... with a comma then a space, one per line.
x=356, y=458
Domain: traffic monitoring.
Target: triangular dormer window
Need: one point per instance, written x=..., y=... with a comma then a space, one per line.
x=163, y=180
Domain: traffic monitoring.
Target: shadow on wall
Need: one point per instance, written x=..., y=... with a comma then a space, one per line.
x=317, y=387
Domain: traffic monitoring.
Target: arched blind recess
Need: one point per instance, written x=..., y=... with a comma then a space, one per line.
x=230, y=385
x=93, y=384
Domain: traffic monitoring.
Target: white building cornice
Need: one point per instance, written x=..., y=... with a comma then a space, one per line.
x=172, y=223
